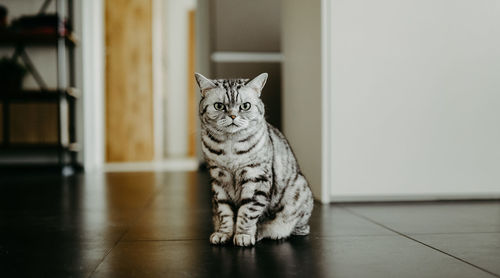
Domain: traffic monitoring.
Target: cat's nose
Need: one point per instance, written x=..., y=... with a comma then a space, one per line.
x=232, y=116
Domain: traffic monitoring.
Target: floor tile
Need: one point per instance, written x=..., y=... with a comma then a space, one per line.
x=428, y=217
x=331, y=220
x=92, y=191
x=52, y=226
x=375, y=256
x=188, y=214
x=51, y=258
x=481, y=249
x=159, y=224
x=40, y=243
x=171, y=224
x=180, y=222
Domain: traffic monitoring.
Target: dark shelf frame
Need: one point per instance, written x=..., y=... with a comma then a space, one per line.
x=9, y=38
x=64, y=95
x=36, y=147
x=52, y=95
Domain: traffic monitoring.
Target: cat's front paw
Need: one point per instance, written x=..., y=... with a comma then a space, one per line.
x=219, y=238
x=244, y=240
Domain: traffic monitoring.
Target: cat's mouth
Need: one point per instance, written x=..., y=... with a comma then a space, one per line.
x=232, y=127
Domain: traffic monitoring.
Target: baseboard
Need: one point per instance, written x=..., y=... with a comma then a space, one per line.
x=180, y=164
x=414, y=198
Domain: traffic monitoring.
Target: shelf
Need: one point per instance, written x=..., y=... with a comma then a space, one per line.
x=13, y=38
x=38, y=168
x=38, y=95
x=33, y=147
x=43, y=31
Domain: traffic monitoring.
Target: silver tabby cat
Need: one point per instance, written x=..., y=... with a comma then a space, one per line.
x=258, y=188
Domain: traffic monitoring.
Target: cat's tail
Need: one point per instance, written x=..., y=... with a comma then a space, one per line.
x=297, y=231
x=301, y=231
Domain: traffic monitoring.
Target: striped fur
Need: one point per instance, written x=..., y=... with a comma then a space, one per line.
x=258, y=188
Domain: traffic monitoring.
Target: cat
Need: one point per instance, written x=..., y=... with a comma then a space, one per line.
x=258, y=188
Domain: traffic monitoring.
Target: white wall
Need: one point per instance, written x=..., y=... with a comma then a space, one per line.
x=302, y=87
x=415, y=99
x=93, y=82
x=175, y=45
x=203, y=51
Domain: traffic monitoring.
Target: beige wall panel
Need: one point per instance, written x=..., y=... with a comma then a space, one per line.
x=242, y=25
x=129, y=86
x=302, y=88
x=192, y=105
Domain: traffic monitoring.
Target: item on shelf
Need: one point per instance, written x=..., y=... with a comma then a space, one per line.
x=42, y=24
x=12, y=74
x=3, y=17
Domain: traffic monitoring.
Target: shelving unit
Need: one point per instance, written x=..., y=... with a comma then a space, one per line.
x=12, y=39
x=65, y=94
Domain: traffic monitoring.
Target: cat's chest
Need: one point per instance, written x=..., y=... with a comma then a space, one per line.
x=237, y=152
x=230, y=158
x=226, y=154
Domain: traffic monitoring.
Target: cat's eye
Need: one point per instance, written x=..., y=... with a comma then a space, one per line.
x=245, y=106
x=219, y=106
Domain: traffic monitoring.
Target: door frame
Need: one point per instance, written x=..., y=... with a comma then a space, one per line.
x=94, y=92
x=93, y=96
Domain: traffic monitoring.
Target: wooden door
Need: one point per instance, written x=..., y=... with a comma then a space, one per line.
x=129, y=83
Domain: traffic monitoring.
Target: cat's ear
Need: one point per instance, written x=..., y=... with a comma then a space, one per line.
x=258, y=82
x=204, y=83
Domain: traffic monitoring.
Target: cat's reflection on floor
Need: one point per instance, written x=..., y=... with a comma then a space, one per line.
x=282, y=258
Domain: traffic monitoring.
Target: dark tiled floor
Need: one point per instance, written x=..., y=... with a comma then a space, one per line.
x=157, y=225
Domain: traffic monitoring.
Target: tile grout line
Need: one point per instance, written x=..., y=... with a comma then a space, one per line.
x=149, y=203
x=160, y=240
x=455, y=233
x=107, y=253
x=418, y=241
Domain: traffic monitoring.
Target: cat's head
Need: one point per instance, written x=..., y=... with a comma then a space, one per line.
x=231, y=105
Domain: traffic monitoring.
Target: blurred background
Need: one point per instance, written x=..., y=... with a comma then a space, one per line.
x=393, y=100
